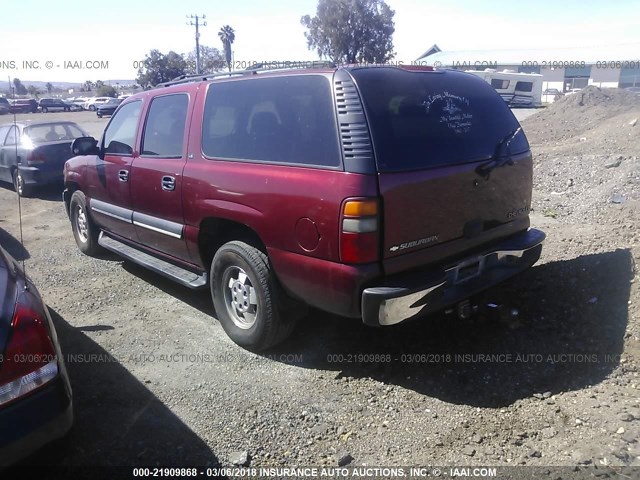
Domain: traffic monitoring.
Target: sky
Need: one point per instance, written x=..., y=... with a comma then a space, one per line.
x=78, y=41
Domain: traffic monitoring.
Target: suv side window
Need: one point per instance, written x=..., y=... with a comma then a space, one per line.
x=287, y=120
x=164, y=129
x=120, y=134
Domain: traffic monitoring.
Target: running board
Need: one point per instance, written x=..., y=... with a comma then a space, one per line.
x=166, y=269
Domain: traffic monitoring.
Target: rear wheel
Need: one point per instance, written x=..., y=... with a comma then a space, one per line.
x=19, y=186
x=84, y=230
x=245, y=295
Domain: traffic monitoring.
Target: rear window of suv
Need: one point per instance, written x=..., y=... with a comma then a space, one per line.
x=421, y=120
x=287, y=120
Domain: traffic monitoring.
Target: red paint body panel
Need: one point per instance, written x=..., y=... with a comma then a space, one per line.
x=329, y=286
x=149, y=198
x=103, y=184
x=442, y=202
x=270, y=199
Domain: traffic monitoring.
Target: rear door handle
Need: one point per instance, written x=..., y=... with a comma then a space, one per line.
x=168, y=183
x=123, y=175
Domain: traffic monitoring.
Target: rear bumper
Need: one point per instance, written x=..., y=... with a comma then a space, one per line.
x=34, y=421
x=38, y=176
x=416, y=294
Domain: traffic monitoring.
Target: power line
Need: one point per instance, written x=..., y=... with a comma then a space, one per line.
x=194, y=21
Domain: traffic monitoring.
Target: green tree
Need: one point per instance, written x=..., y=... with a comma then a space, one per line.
x=228, y=36
x=98, y=84
x=158, y=68
x=351, y=31
x=211, y=60
x=106, y=91
x=20, y=89
x=49, y=87
x=88, y=86
x=33, y=90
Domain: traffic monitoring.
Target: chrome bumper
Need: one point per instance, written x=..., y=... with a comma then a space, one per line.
x=419, y=293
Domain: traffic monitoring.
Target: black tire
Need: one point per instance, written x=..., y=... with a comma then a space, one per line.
x=92, y=107
x=99, y=115
x=261, y=325
x=45, y=110
x=19, y=185
x=84, y=230
x=67, y=109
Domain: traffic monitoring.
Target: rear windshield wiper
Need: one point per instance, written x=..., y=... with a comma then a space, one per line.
x=499, y=160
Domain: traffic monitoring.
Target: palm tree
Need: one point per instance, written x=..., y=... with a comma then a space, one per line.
x=227, y=35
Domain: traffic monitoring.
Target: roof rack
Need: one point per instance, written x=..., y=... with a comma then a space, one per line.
x=254, y=69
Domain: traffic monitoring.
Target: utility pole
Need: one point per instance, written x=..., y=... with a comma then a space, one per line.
x=194, y=21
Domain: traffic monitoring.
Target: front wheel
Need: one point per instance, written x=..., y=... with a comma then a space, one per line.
x=84, y=230
x=45, y=110
x=245, y=295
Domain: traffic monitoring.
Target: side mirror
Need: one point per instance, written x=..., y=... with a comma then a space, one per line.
x=85, y=146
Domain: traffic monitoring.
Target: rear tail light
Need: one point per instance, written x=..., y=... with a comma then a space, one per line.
x=29, y=361
x=35, y=157
x=359, y=237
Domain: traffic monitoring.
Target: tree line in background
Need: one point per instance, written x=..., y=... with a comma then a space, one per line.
x=21, y=89
x=343, y=31
x=351, y=31
x=159, y=67
x=101, y=88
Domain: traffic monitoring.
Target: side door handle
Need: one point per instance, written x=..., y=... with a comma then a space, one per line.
x=123, y=175
x=168, y=183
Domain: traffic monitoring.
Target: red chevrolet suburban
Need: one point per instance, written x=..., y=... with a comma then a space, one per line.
x=380, y=193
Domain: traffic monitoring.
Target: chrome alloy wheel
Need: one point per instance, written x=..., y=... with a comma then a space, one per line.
x=240, y=297
x=81, y=225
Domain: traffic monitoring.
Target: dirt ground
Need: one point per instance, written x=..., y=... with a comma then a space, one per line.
x=156, y=380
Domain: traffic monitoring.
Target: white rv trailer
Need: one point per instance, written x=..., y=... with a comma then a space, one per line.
x=517, y=89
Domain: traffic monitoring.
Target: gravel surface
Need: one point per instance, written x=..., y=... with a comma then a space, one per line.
x=156, y=381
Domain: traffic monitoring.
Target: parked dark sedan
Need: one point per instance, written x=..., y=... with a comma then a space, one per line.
x=35, y=394
x=108, y=107
x=41, y=147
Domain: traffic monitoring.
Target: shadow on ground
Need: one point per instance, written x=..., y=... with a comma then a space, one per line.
x=13, y=246
x=51, y=192
x=570, y=334
x=118, y=421
x=198, y=299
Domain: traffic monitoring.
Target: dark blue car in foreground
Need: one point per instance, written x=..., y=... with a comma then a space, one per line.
x=42, y=148
x=35, y=393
